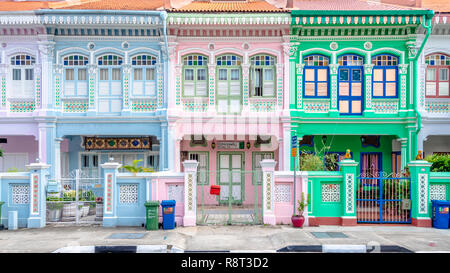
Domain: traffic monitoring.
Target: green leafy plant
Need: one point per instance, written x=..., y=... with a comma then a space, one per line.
x=311, y=162
x=302, y=203
x=54, y=203
x=1, y=153
x=135, y=168
x=440, y=163
x=13, y=170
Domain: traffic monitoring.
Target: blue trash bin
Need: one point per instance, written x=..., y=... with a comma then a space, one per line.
x=440, y=214
x=168, y=212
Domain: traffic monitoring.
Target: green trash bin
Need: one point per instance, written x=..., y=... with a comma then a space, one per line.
x=152, y=215
x=1, y=226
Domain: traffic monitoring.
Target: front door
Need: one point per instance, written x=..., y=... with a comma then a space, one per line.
x=350, y=96
x=231, y=177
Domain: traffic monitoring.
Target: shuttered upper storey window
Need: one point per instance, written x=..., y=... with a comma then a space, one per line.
x=385, y=74
x=75, y=71
x=22, y=76
x=437, y=76
x=316, y=76
x=262, y=76
x=195, y=69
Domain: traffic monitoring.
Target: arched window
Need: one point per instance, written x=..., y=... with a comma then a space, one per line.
x=384, y=76
x=437, y=76
x=229, y=81
x=110, y=84
x=262, y=76
x=195, y=76
x=22, y=76
x=350, y=88
x=316, y=76
x=76, y=83
x=144, y=80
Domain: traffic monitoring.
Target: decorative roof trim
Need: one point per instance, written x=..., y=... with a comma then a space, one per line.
x=228, y=19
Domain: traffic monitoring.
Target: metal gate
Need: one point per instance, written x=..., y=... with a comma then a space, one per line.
x=383, y=198
x=239, y=202
x=78, y=201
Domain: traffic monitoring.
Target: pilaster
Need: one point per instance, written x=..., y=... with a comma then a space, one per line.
x=190, y=193
x=111, y=170
x=268, y=169
x=420, y=192
x=38, y=183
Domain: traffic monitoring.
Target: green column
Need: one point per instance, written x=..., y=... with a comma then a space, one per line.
x=368, y=110
x=334, y=90
x=348, y=169
x=420, y=191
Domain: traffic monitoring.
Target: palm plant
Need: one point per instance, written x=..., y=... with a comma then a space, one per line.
x=134, y=168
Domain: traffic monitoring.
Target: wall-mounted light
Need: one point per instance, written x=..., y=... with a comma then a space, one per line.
x=324, y=139
x=213, y=145
x=363, y=140
x=248, y=145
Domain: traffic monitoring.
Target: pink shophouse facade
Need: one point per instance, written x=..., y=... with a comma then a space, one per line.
x=228, y=103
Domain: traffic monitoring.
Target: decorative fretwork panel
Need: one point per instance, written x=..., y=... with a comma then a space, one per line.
x=438, y=192
x=331, y=193
x=128, y=194
x=283, y=193
x=20, y=194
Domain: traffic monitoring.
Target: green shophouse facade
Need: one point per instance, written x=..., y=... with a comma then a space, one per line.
x=353, y=84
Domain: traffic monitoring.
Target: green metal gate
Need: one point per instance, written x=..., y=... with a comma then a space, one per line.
x=239, y=202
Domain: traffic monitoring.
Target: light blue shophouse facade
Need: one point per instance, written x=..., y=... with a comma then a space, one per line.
x=109, y=96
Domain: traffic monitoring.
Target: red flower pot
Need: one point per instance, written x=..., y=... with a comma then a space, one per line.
x=297, y=221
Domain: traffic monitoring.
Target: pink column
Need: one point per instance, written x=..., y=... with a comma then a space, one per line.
x=190, y=193
x=268, y=168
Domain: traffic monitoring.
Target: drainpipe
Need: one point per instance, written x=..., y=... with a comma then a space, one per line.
x=427, y=27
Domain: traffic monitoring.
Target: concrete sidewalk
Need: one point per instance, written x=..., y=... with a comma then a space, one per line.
x=225, y=238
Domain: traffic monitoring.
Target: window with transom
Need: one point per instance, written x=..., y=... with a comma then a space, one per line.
x=437, y=76
x=195, y=76
x=316, y=76
x=75, y=74
x=229, y=82
x=144, y=75
x=350, y=84
x=384, y=76
x=262, y=76
x=22, y=76
x=110, y=83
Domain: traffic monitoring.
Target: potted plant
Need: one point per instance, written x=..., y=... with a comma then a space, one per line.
x=54, y=207
x=298, y=220
x=99, y=209
x=135, y=168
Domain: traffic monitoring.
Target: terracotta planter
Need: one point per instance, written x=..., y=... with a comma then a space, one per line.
x=297, y=221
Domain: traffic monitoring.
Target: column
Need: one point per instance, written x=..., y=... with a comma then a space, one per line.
x=368, y=111
x=111, y=170
x=420, y=187
x=42, y=142
x=403, y=71
x=404, y=145
x=44, y=79
x=126, y=70
x=245, y=86
x=171, y=156
x=174, y=70
x=334, y=90
x=38, y=183
x=212, y=88
x=190, y=193
x=93, y=69
x=348, y=169
x=299, y=83
x=286, y=147
x=3, y=73
x=163, y=147
x=285, y=64
x=57, y=159
x=268, y=169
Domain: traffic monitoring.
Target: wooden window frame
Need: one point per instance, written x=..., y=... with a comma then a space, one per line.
x=195, y=81
x=384, y=82
x=316, y=82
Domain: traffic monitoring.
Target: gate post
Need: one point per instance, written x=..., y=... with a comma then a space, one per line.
x=348, y=169
x=111, y=169
x=38, y=183
x=190, y=193
x=268, y=168
x=420, y=173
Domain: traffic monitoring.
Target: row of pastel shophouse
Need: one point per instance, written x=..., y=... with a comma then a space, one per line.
x=343, y=197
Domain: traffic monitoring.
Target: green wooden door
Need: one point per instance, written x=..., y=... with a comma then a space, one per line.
x=231, y=177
